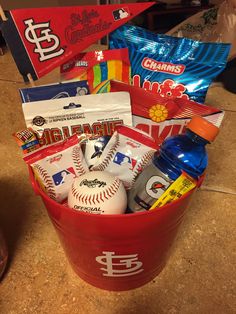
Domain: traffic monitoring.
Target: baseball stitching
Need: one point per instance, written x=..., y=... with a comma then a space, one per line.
x=76, y=156
x=96, y=198
x=110, y=154
x=143, y=162
x=47, y=180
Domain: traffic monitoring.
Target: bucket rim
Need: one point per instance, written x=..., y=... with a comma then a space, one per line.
x=39, y=191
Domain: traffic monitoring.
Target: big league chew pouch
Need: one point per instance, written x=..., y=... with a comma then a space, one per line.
x=171, y=66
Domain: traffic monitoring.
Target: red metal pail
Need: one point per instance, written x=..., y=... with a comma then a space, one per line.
x=116, y=252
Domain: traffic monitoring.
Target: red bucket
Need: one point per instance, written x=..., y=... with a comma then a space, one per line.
x=116, y=252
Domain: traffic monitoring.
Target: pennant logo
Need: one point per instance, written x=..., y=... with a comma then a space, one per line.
x=85, y=24
x=47, y=44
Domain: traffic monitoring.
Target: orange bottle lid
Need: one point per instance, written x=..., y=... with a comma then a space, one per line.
x=203, y=128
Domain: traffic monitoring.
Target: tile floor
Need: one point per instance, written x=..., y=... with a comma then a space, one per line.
x=200, y=275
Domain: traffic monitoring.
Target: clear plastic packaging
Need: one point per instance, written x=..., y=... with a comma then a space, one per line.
x=217, y=24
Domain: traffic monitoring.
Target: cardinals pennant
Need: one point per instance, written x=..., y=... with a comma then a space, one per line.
x=42, y=39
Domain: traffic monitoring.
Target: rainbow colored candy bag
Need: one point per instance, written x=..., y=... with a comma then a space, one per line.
x=173, y=67
x=98, y=66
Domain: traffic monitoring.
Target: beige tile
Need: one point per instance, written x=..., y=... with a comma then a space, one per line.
x=220, y=98
x=9, y=72
x=8, y=68
x=221, y=172
x=11, y=114
x=199, y=276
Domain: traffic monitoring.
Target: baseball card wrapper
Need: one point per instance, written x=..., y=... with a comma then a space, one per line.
x=54, y=91
x=170, y=66
x=98, y=66
x=127, y=153
x=162, y=117
x=56, y=166
x=93, y=115
x=27, y=139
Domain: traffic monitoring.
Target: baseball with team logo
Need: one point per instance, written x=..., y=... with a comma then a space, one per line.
x=98, y=192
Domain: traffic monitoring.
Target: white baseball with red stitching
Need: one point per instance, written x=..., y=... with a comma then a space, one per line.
x=98, y=192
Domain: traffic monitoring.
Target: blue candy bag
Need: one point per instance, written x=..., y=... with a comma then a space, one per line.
x=53, y=91
x=171, y=66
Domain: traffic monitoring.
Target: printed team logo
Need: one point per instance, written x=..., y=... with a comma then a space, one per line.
x=122, y=159
x=47, y=44
x=119, y=265
x=99, y=146
x=62, y=176
x=156, y=185
x=39, y=121
x=120, y=14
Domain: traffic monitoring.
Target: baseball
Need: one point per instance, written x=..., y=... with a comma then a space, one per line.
x=98, y=192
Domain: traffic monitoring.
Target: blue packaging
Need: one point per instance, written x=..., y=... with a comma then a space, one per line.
x=59, y=90
x=177, y=154
x=171, y=66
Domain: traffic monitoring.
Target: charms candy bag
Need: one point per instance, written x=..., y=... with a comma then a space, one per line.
x=56, y=166
x=162, y=117
x=98, y=66
x=126, y=154
x=53, y=91
x=173, y=67
x=92, y=115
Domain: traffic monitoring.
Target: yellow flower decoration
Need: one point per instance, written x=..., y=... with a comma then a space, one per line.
x=158, y=113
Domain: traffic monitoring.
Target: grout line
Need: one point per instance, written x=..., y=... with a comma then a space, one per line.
x=212, y=189
x=228, y=110
x=4, y=80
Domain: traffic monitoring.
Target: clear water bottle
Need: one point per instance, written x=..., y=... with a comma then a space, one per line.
x=184, y=152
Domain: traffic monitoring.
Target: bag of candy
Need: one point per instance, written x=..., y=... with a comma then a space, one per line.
x=173, y=67
x=98, y=66
x=56, y=166
x=161, y=117
x=126, y=154
x=95, y=116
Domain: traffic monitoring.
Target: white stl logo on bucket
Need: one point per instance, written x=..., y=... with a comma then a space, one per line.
x=120, y=265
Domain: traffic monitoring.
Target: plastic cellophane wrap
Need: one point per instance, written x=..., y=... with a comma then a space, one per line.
x=217, y=24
